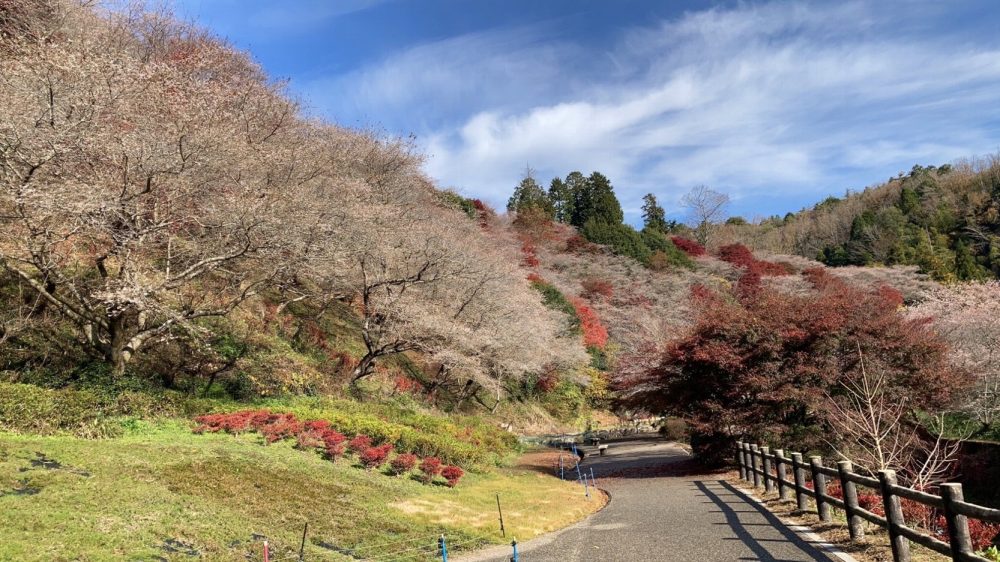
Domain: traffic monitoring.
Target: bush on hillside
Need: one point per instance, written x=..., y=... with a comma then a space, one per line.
x=429, y=468
x=452, y=474
x=403, y=463
x=359, y=444
x=374, y=457
x=688, y=246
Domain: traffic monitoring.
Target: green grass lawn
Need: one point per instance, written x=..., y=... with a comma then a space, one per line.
x=161, y=492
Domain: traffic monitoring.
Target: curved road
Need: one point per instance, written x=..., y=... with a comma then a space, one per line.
x=671, y=518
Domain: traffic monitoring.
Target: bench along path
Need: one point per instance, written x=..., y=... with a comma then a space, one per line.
x=670, y=518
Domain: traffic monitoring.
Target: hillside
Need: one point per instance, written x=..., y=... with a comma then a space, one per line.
x=943, y=220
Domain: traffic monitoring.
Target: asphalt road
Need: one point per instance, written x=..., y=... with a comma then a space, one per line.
x=670, y=518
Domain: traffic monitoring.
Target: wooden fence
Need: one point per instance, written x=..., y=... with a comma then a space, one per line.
x=770, y=469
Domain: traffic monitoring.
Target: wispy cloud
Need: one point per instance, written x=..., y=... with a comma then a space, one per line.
x=757, y=100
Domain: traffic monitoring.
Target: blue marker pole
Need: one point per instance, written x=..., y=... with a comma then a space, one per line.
x=562, y=473
x=444, y=549
x=515, y=557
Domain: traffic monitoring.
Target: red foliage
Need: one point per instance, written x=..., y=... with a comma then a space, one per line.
x=484, y=213
x=594, y=333
x=535, y=278
x=529, y=251
x=547, y=382
x=737, y=254
x=359, y=444
x=333, y=444
x=374, y=457
x=982, y=533
x=741, y=256
x=452, y=474
x=577, y=244
x=770, y=361
x=406, y=385
x=403, y=463
x=430, y=467
x=688, y=246
x=593, y=287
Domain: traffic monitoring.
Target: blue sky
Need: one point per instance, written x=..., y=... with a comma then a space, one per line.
x=778, y=104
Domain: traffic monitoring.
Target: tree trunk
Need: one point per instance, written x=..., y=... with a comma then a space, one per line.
x=117, y=339
x=364, y=368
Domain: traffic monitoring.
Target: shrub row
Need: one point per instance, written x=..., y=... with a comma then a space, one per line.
x=318, y=434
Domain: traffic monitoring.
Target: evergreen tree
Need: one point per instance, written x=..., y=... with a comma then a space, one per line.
x=529, y=195
x=653, y=216
x=604, y=206
x=561, y=197
x=579, y=190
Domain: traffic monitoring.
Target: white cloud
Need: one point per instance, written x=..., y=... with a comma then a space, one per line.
x=761, y=99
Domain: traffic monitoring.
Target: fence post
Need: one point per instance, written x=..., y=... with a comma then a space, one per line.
x=753, y=465
x=514, y=557
x=819, y=489
x=443, y=546
x=768, y=483
x=740, y=460
x=746, y=461
x=958, y=524
x=894, y=515
x=779, y=462
x=799, y=473
x=850, y=489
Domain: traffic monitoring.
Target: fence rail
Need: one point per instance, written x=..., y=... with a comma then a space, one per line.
x=769, y=469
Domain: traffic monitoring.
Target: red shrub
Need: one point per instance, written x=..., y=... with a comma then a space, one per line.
x=406, y=385
x=403, y=463
x=430, y=467
x=737, y=254
x=374, y=457
x=594, y=333
x=593, y=288
x=333, y=443
x=688, y=246
x=535, y=278
x=359, y=444
x=530, y=258
x=982, y=533
x=547, y=382
x=577, y=244
x=280, y=427
x=452, y=474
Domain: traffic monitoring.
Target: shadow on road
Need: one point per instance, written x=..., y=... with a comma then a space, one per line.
x=740, y=528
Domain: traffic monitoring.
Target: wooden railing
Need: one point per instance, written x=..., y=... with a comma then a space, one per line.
x=763, y=467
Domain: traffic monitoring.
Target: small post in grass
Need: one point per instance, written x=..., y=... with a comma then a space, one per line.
x=302, y=547
x=503, y=532
x=592, y=481
x=819, y=489
x=443, y=547
x=562, y=473
x=514, y=557
x=267, y=552
x=799, y=473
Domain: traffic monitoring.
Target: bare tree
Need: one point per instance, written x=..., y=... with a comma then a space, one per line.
x=705, y=207
x=876, y=430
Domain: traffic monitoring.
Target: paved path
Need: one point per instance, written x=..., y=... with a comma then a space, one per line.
x=670, y=518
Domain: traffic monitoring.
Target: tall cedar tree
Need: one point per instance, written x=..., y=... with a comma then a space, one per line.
x=528, y=195
x=562, y=200
x=763, y=364
x=653, y=215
